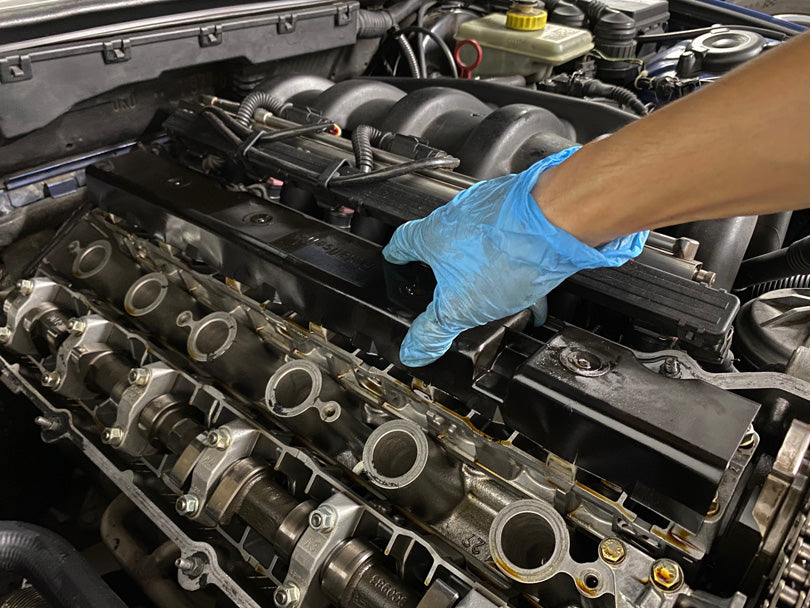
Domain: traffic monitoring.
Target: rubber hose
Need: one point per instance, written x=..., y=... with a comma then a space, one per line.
x=373, y=24
x=402, y=10
x=769, y=233
x=254, y=101
x=625, y=97
x=408, y=54
x=439, y=42
x=593, y=9
x=56, y=569
x=797, y=281
x=778, y=264
x=361, y=143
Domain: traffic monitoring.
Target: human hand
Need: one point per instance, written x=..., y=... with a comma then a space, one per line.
x=493, y=253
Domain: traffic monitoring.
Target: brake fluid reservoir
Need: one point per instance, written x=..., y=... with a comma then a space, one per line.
x=521, y=42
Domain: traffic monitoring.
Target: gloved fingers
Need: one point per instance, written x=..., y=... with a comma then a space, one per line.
x=539, y=311
x=403, y=248
x=427, y=340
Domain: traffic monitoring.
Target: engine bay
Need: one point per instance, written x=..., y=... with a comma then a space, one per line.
x=202, y=390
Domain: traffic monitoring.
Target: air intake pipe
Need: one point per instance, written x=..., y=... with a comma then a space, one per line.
x=56, y=569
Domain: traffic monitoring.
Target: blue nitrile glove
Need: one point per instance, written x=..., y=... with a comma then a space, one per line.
x=493, y=254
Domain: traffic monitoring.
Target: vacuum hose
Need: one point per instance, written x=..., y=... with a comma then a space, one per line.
x=362, y=139
x=58, y=572
x=254, y=101
x=786, y=262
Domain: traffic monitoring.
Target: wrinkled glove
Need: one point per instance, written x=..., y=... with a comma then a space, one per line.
x=493, y=253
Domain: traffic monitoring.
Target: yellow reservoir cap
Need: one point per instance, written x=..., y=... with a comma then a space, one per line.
x=526, y=22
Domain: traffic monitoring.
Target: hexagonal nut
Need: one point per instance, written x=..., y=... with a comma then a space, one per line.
x=219, y=439
x=287, y=595
x=25, y=287
x=612, y=550
x=191, y=566
x=50, y=379
x=187, y=504
x=667, y=575
x=77, y=326
x=139, y=376
x=113, y=435
x=323, y=518
x=5, y=335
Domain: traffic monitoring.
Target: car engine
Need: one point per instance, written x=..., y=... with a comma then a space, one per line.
x=202, y=398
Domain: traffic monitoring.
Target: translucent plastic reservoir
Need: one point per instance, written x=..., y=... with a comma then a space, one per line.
x=528, y=53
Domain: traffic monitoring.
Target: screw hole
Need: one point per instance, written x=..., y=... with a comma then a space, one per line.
x=591, y=581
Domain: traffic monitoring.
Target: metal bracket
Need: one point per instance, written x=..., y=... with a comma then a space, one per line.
x=15, y=69
x=210, y=36
x=286, y=23
x=117, y=51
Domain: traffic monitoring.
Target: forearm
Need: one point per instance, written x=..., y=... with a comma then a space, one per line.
x=740, y=146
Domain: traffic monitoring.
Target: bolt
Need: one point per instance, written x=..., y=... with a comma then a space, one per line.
x=220, y=439
x=187, y=504
x=5, y=335
x=47, y=424
x=76, y=326
x=576, y=360
x=670, y=367
x=582, y=363
x=323, y=518
x=190, y=566
x=50, y=379
x=287, y=595
x=612, y=550
x=113, y=435
x=667, y=575
x=139, y=376
x=25, y=287
x=261, y=218
x=178, y=182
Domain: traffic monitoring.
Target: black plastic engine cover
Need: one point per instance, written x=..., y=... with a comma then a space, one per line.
x=670, y=440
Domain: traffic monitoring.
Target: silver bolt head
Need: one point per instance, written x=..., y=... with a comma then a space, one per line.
x=220, y=439
x=25, y=286
x=5, y=335
x=187, y=504
x=139, y=376
x=50, y=379
x=287, y=595
x=323, y=518
x=76, y=326
x=113, y=435
x=671, y=367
